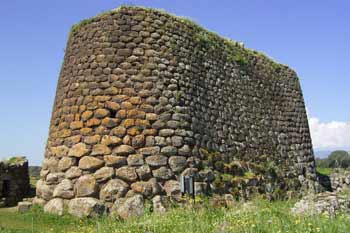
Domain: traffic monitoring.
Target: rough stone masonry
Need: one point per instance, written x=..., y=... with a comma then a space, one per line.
x=144, y=96
x=14, y=181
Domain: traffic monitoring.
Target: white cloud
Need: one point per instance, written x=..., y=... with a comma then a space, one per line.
x=325, y=135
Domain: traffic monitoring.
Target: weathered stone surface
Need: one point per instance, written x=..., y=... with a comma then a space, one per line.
x=163, y=173
x=144, y=172
x=101, y=113
x=50, y=164
x=177, y=163
x=153, y=150
x=54, y=206
x=110, y=122
x=85, y=207
x=169, y=150
x=166, y=132
x=119, y=131
x=90, y=163
x=85, y=186
x=113, y=189
x=100, y=149
x=111, y=140
x=138, y=141
x=142, y=187
x=38, y=201
x=73, y=172
x=184, y=150
x=126, y=173
x=115, y=161
x=92, y=140
x=76, y=125
x=135, y=160
x=54, y=178
x=78, y=150
x=43, y=174
x=86, y=115
x=65, y=163
x=328, y=203
x=156, y=160
x=104, y=174
x=24, y=206
x=64, y=189
x=43, y=190
x=176, y=141
x=172, y=189
x=123, y=150
x=190, y=171
x=59, y=151
x=131, y=207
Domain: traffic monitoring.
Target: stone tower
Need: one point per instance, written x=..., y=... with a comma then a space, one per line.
x=144, y=96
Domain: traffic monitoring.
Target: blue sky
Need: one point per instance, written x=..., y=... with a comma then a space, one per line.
x=310, y=36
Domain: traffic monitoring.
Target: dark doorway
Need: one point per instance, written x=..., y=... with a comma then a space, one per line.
x=6, y=188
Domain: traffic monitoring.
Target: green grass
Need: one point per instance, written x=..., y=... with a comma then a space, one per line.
x=258, y=217
x=324, y=171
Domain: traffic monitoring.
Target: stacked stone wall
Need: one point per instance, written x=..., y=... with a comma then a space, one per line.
x=144, y=96
x=14, y=181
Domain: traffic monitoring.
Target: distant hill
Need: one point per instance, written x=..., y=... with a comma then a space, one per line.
x=34, y=172
x=322, y=153
x=337, y=159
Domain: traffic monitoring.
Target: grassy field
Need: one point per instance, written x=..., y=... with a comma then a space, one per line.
x=325, y=171
x=259, y=216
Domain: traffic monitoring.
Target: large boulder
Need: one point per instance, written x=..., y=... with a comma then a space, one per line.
x=90, y=163
x=54, y=178
x=43, y=190
x=157, y=160
x=126, y=173
x=135, y=160
x=38, y=201
x=142, y=187
x=64, y=189
x=59, y=151
x=65, y=163
x=129, y=207
x=114, y=189
x=114, y=161
x=85, y=207
x=177, y=163
x=73, y=172
x=144, y=172
x=163, y=173
x=104, y=174
x=123, y=150
x=54, y=206
x=78, y=150
x=24, y=206
x=100, y=149
x=172, y=189
x=85, y=186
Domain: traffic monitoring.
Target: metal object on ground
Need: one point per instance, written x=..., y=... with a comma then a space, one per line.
x=187, y=185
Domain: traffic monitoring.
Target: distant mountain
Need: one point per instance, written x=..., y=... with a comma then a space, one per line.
x=322, y=153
